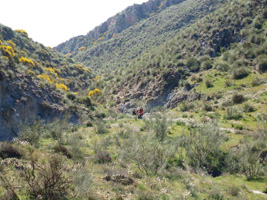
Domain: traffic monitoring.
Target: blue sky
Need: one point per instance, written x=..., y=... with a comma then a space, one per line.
x=52, y=22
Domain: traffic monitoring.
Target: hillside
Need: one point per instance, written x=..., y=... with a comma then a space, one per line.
x=231, y=43
x=116, y=24
x=107, y=54
x=35, y=81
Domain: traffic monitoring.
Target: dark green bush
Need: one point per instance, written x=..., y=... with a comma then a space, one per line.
x=64, y=150
x=206, y=65
x=193, y=64
x=208, y=83
x=102, y=157
x=71, y=96
x=86, y=101
x=8, y=150
x=207, y=107
x=238, y=98
x=262, y=65
x=240, y=73
x=186, y=106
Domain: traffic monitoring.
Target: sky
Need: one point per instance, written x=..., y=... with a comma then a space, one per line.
x=52, y=22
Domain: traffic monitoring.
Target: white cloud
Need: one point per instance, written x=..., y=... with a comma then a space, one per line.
x=51, y=22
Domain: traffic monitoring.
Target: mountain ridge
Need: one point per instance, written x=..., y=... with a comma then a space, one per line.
x=116, y=24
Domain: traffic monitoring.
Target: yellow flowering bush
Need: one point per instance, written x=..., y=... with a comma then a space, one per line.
x=49, y=69
x=11, y=43
x=0, y=42
x=21, y=31
x=26, y=61
x=8, y=51
x=81, y=67
x=97, y=78
x=62, y=86
x=68, y=54
x=95, y=92
x=45, y=77
x=5, y=57
x=82, y=48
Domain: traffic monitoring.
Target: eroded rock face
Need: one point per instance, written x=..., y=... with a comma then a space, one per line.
x=22, y=100
x=156, y=92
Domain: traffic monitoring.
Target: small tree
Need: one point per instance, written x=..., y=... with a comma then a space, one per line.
x=32, y=132
x=47, y=180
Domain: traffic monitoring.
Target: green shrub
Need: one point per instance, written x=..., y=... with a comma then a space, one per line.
x=193, y=64
x=207, y=107
x=203, y=148
x=206, y=65
x=248, y=157
x=208, y=83
x=215, y=195
x=147, y=152
x=240, y=73
x=100, y=127
x=102, y=157
x=186, y=106
x=32, y=133
x=62, y=149
x=232, y=113
x=234, y=191
x=262, y=65
x=57, y=128
x=160, y=127
x=71, y=96
x=86, y=101
x=256, y=81
x=222, y=66
x=8, y=150
x=248, y=108
x=76, y=143
x=227, y=84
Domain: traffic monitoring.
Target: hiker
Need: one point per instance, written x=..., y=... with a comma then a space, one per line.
x=133, y=112
x=123, y=107
x=140, y=113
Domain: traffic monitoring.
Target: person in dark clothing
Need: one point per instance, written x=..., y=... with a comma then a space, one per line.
x=133, y=112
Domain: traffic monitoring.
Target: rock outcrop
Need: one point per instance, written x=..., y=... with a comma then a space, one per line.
x=35, y=82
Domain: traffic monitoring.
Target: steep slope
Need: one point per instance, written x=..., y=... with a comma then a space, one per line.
x=133, y=41
x=116, y=24
x=34, y=82
x=231, y=40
